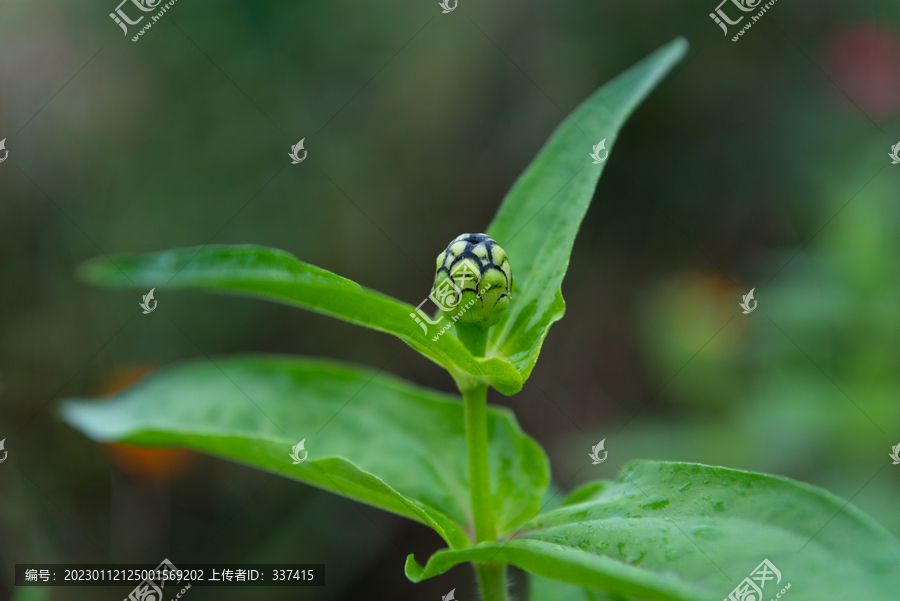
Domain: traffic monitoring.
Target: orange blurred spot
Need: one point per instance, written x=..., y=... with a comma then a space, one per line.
x=122, y=377
x=150, y=463
x=155, y=464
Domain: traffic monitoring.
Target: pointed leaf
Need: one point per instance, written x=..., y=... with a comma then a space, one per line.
x=249, y=270
x=370, y=437
x=692, y=532
x=713, y=526
x=540, y=216
x=563, y=563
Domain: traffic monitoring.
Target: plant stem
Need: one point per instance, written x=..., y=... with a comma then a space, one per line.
x=474, y=336
x=475, y=400
x=491, y=576
x=492, y=580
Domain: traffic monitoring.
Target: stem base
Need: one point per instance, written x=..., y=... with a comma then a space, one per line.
x=492, y=581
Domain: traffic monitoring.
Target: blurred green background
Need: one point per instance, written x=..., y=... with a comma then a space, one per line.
x=758, y=164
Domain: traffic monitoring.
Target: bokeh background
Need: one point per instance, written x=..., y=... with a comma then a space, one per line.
x=758, y=164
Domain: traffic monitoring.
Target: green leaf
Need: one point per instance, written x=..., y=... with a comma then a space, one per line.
x=255, y=271
x=562, y=563
x=545, y=589
x=704, y=529
x=537, y=223
x=713, y=526
x=370, y=437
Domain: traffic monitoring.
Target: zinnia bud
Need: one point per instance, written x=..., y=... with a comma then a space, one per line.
x=474, y=280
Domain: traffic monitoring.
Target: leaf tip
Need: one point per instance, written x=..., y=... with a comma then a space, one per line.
x=70, y=412
x=682, y=43
x=91, y=271
x=103, y=271
x=414, y=571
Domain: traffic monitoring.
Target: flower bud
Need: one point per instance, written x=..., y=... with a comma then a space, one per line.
x=473, y=280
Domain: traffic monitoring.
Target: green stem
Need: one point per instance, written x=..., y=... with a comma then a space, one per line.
x=492, y=580
x=475, y=400
x=474, y=336
x=491, y=576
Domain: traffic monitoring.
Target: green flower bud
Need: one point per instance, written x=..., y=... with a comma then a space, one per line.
x=473, y=282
